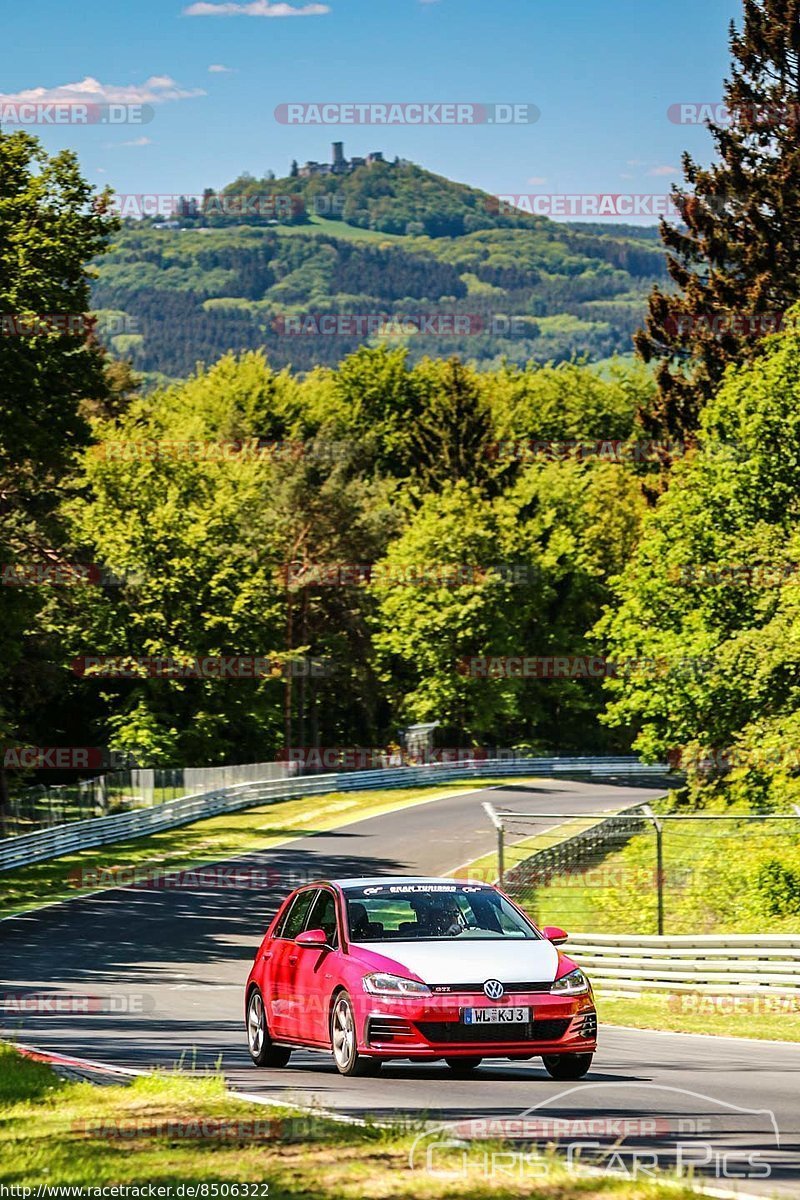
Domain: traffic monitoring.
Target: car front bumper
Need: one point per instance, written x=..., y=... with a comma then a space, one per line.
x=433, y=1027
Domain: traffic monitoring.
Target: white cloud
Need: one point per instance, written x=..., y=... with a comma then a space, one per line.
x=218, y=69
x=665, y=170
x=158, y=89
x=254, y=8
x=139, y=141
x=537, y=180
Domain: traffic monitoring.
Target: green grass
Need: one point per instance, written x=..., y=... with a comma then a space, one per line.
x=338, y=229
x=775, y=1018
x=726, y=876
x=166, y=1130
x=212, y=840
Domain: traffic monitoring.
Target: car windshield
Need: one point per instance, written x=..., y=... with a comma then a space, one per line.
x=412, y=912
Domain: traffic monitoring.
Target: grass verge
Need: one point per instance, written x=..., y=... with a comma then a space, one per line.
x=213, y=840
x=770, y=1018
x=168, y=1130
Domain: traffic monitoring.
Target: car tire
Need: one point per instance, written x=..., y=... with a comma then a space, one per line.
x=463, y=1066
x=567, y=1066
x=344, y=1040
x=263, y=1050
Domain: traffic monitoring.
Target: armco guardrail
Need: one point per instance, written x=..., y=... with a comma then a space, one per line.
x=99, y=831
x=722, y=964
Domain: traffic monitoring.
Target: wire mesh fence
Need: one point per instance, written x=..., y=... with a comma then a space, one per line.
x=639, y=871
x=45, y=806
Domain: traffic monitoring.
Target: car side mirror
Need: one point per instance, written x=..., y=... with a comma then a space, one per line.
x=312, y=937
x=554, y=934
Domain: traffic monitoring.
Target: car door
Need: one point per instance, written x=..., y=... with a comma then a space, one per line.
x=315, y=969
x=284, y=1014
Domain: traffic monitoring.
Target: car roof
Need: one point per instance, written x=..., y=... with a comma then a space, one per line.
x=374, y=880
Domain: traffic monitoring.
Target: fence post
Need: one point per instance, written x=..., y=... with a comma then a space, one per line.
x=498, y=824
x=659, y=828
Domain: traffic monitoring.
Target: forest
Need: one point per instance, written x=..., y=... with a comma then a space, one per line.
x=540, y=552
x=225, y=275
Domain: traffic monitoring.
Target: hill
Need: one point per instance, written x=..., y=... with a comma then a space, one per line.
x=310, y=268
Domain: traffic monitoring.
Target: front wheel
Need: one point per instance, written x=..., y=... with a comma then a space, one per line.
x=567, y=1066
x=344, y=1042
x=263, y=1050
x=463, y=1066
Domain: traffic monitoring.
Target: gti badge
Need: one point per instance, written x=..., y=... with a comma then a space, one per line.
x=494, y=989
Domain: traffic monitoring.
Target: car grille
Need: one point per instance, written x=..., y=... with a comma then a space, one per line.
x=528, y=1031
x=511, y=989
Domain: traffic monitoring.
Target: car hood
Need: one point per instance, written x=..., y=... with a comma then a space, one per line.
x=439, y=962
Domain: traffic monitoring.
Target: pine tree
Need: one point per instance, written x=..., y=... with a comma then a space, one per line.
x=452, y=437
x=735, y=261
x=294, y=170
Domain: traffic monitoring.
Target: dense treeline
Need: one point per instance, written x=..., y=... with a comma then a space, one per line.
x=193, y=296
x=414, y=473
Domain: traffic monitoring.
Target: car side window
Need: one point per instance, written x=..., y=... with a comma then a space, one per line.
x=323, y=916
x=296, y=919
x=278, y=930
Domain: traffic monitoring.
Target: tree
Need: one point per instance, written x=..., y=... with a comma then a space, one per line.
x=452, y=437
x=736, y=259
x=51, y=227
x=710, y=597
x=294, y=170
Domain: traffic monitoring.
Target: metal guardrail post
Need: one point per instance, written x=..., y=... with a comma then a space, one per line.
x=659, y=828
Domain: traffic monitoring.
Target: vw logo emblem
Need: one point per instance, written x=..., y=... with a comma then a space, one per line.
x=494, y=989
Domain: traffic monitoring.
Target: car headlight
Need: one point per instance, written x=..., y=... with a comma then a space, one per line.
x=573, y=984
x=383, y=984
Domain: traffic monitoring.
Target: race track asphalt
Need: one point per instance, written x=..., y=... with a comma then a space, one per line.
x=166, y=967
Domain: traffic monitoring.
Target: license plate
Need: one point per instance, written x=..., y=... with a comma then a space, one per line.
x=496, y=1016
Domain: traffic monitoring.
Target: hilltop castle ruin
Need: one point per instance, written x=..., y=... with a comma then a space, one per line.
x=340, y=165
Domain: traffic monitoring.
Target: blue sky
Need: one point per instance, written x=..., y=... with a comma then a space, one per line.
x=603, y=75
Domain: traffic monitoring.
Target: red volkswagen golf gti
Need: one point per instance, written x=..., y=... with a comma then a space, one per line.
x=421, y=969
